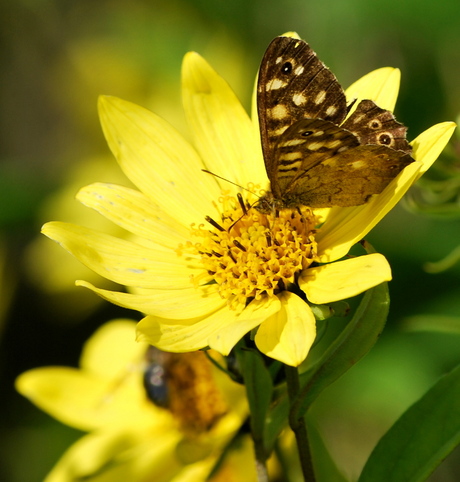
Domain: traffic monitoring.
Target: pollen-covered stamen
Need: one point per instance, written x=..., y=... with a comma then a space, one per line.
x=216, y=225
x=269, y=239
x=250, y=254
x=239, y=245
x=242, y=205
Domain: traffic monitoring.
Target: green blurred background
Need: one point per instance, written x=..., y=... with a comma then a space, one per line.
x=58, y=56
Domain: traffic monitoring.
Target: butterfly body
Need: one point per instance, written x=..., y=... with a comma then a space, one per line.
x=314, y=155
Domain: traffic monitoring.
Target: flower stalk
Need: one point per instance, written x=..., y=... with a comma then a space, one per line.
x=261, y=461
x=298, y=425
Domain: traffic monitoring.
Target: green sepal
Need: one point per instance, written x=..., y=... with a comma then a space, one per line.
x=323, y=312
x=421, y=438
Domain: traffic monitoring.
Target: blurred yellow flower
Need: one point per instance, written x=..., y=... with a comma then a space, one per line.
x=43, y=260
x=130, y=437
x=210, y=284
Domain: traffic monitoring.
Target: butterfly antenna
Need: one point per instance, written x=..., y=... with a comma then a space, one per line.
x=231, y=182
x=244, y=207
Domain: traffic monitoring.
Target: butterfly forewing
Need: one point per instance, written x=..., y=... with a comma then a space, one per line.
x=294, y=84
x=312, y=157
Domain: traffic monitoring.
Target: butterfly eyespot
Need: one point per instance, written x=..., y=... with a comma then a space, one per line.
x=375, y=124
x=286, y=68
x=385, y=139
x=306, y=133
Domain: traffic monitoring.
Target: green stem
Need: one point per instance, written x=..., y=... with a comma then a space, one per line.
x=261, y=461
x=298, y=425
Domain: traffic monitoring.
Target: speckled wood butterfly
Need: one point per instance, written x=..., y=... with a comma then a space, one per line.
x=313, y=156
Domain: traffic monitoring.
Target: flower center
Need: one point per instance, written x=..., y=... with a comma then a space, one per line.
x=250, y=254
x=183, y=384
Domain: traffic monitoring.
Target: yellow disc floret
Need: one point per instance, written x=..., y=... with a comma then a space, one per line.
x=250, y=254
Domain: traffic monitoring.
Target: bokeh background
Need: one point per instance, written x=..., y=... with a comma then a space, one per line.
x=57, y=56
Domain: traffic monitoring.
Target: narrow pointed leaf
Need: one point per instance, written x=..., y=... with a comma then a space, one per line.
x=259, y=388
x=277, y=420
x=422, y=437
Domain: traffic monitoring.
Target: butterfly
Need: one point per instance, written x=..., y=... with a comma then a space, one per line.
x=314, y=155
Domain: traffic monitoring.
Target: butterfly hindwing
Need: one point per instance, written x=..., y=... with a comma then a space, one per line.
x=350, y=178
x=373, y=125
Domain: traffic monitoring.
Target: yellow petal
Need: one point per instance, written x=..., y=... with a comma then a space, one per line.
x=184, y=335
x=123, y=261
x=221, y=128
x=381, y=86
x=134, y=212
x=172, y=304
x=291, y=34
x=116, y=455
x=46, y=388
x=106, y=391
x=253, y=315
x=158, y=160
x=111, y=348
x=86, y=401
x=344, y=279
x=430, y=143
x=289, y=334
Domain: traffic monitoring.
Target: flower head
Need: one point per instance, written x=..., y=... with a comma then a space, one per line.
x=203, y=264
x=195, y=411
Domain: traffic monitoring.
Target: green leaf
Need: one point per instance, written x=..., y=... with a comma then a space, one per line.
x=324, y=465
x=422, y=437
x=355, y=341
x=277, y=420
x=259, y=389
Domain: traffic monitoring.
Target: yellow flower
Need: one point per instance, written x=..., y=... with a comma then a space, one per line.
x=203, y=266
x=130, y=437
x=44, y=260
